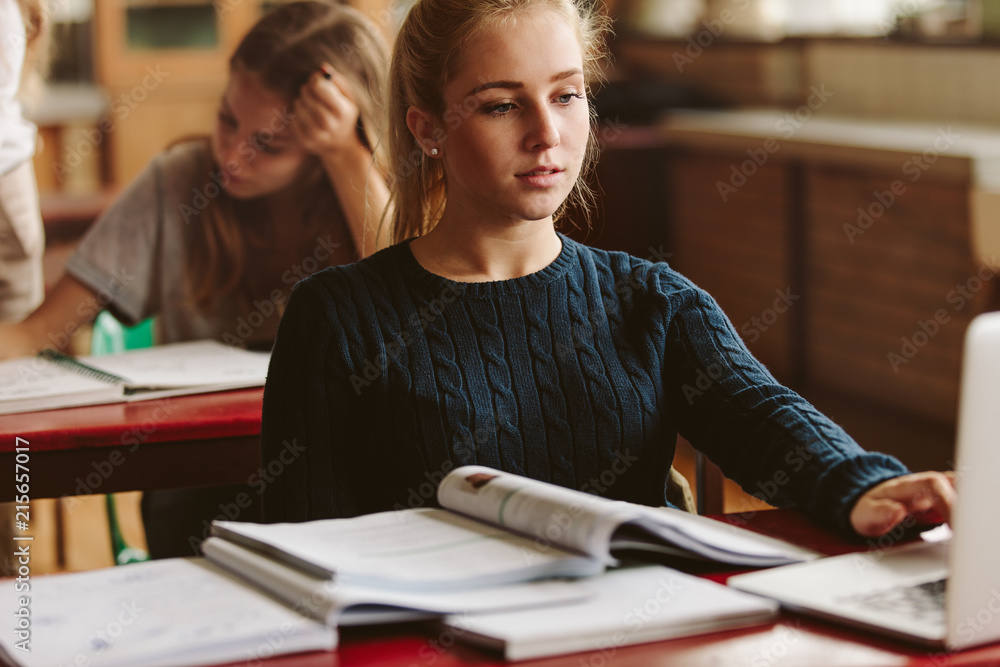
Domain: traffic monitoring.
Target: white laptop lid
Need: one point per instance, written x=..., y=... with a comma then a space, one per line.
x=973, y=596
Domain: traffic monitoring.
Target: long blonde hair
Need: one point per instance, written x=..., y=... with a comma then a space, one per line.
x=426, y=56
x=283, y=50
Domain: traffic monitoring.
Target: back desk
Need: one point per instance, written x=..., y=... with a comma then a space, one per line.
x=201, y=440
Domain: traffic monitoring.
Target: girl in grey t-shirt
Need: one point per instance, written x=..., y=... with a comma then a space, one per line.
x=210, y=238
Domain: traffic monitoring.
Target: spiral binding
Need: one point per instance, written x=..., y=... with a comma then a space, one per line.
x=68, y=362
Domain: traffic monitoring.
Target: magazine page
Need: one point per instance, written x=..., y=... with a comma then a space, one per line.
x=549, y=514
x=712, y=540
x=415, y=549
x=598, y=526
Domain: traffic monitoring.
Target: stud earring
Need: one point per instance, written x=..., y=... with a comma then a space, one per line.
x=434, y=151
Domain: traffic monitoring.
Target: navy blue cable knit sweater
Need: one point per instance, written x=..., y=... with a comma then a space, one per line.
x=385, y=376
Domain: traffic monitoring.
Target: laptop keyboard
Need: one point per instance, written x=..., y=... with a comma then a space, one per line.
x=922, y=602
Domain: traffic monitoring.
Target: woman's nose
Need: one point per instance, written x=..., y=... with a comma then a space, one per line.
x=230, y=154
x=544, y=133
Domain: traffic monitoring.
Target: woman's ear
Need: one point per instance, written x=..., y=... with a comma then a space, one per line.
x=424, y=128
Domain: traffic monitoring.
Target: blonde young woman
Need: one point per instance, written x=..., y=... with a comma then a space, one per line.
x=23, y=31
x=213, y=234
x=484, y=336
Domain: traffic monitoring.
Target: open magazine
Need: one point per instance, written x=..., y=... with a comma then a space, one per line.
x=511, y=564
x=494, y=528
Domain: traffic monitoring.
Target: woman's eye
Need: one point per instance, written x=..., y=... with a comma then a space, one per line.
x=568, y=97
x=498, y=109
x=226, y=119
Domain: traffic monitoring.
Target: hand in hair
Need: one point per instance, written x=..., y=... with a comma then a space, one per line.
x=326, y=116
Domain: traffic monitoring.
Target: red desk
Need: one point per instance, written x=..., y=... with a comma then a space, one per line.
x=213, y=439
x=202, y=440
x=794, y=641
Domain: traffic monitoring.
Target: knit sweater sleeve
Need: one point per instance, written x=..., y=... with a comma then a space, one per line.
x=306, y=410
x=763, y=435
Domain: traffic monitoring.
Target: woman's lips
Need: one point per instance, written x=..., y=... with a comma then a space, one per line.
x=541, y=177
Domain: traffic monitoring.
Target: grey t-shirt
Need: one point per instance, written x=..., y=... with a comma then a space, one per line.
x=134, y=258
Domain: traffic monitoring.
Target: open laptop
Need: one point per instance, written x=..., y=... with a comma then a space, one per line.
x=944, y=594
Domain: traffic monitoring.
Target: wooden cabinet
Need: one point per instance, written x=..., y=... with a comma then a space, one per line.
x=738, y=250
x=850, y=255
x=892, y=285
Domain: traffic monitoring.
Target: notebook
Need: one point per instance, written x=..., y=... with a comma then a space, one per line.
x=53, y=380
x=632, y=605
x=943, y=593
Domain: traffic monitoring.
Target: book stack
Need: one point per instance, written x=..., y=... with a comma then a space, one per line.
x=518, y=566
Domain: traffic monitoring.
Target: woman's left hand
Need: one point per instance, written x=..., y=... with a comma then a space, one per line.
x=926, y=496
x=326, y=116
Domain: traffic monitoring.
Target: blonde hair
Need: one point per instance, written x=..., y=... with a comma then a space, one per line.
x=283, y=50
x=426, y=57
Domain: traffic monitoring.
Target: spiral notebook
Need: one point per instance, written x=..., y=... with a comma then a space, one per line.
x=52, y=380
